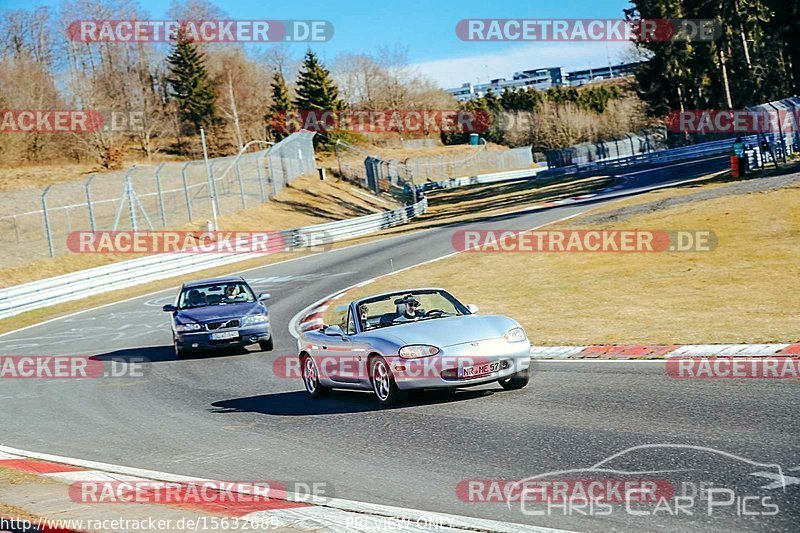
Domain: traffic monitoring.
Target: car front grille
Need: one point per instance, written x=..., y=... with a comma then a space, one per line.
x=211, y=326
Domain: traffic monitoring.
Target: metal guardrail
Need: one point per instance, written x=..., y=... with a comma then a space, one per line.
x=683, y=153
x=485, y=179
x=124, y=274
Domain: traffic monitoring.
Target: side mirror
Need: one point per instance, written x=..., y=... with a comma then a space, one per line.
x=472, y=308
x=334, y=331
x=264, y=296
x=169, y=308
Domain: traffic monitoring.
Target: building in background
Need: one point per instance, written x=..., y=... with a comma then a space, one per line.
x=541, y=79
x=582, y=77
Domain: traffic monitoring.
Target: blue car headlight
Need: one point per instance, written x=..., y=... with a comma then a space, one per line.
x=187, y=327
x=251, y=320
x=515, y=335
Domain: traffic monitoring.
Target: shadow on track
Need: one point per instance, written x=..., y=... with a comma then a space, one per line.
x=298, y=403
x=159, y=354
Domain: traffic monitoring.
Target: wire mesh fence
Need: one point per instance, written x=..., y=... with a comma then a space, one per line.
x=786, y=113
x=628, y=145
x=418, y=144
x=391, y=175
x=35, y=223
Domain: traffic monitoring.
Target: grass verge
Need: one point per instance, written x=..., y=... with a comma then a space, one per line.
x=474, y=202
x=304, y=202
x=742, y=291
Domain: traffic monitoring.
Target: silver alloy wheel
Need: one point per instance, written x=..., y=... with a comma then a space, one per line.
x=381, y=381
x=310, y=375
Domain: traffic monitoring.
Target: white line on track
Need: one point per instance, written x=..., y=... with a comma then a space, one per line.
x=611, y=196
x=323, y=514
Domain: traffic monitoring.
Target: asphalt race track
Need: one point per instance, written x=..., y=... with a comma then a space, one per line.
x=230, y=417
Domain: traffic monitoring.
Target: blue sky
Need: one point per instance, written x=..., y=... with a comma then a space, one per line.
x=426, y=29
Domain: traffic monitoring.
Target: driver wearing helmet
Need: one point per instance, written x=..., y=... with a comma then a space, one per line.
x=408, y=309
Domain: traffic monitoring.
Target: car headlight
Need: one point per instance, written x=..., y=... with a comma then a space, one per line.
x=415, y=351
x=515, y=335
x=188, y=327
x=249, y=320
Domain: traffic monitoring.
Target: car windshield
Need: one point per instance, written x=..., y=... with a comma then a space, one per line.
x=215, y=294
x=408, y=306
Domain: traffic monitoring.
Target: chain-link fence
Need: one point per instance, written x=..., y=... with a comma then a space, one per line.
x=786, y=139
x=35, y=223
x=391, y=175
x=629, y=145
x=420, y=144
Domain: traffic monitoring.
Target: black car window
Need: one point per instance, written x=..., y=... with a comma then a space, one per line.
x=215, y=294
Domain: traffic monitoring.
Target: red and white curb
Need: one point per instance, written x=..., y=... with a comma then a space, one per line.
x=663, y=351
x=296, y=511
x=311, y=318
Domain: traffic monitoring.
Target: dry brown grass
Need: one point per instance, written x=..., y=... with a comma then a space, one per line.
x=439, y=215
x=39, y=176
x=328, y=159
x=305, y=202
x=741, y=292
x=9, y=476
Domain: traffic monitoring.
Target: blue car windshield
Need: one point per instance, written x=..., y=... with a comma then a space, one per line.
x=217, y=294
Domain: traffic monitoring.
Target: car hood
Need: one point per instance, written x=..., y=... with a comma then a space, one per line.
x=451, y=330
x=220, y=312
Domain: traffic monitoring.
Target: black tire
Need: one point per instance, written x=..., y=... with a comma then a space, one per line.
x=180, y=353
x=266, y=346
x=312, y=384
x=516, y=381
x=383, y=384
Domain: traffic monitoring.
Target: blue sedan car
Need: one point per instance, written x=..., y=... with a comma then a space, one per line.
x=219, y=313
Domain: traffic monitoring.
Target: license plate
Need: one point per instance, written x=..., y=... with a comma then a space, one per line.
x=222, y=335
x=475, y=371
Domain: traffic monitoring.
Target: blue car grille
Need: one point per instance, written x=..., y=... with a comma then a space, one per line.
x=225, y=324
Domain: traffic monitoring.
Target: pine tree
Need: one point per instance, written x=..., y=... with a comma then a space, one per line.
x=316, y=91
x=315, y=87
x=279, y=107
x=190, y=83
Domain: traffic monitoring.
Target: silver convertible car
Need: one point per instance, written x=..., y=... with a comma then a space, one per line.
x=399, y=341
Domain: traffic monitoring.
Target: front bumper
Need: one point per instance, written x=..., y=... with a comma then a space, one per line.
x=441, y=370
x=201, y=340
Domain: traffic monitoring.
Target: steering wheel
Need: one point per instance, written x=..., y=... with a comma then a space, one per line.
x=432, y=311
